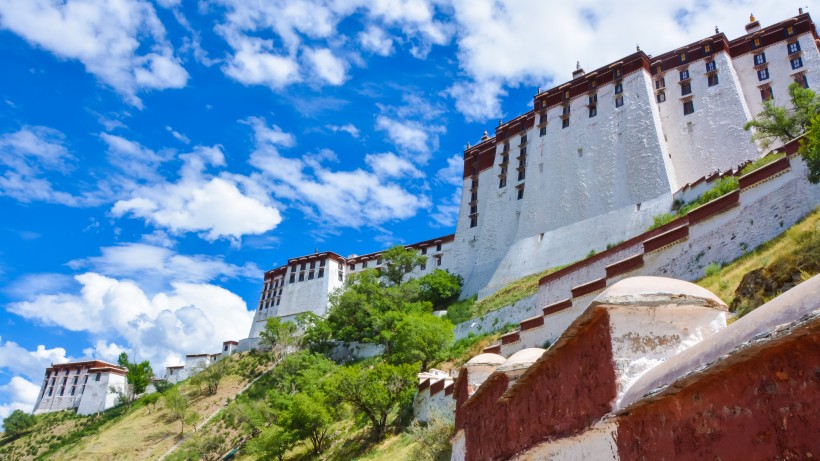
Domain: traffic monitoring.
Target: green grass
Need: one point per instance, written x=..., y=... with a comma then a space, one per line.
x=761, y=162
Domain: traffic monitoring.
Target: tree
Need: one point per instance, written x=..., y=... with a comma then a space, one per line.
x=151, y=400
x=273, y=442
x=212, y=375
x=421, y=338
x=18, y=422
x=317, y=333
x=441, y=288
x=279, y=336
x=309, y=416
x=375, y=391
x=138, y=377
x=776, y=123
x=200, y=448
x=179, y=406
x=400, y=261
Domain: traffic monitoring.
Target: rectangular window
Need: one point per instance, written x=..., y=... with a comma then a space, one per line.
x=473, y=222
x=438, y=247
x=760, y=59
x=523, y=151
x=301, y=276
x=593, y=111
x=438, y=260
x=322, y=263
x=502, y=183
x=474, y=196
x=593, y=100
x=521, y=175
x=766, y=94
x=684, y=74
x=685, y=89
x=565, y=123
x=341, y=279
x=506, y=147
x=566, y=110
x=711, y=66
x=364, y=264
x=660, y=83
x=661, y=97
x=682, y=57
x=351, y=267
x=292, y=278
x=763, y=74
x=50, y=391
x=543, y=131
x=310, y=275
x=616, y=74
x=523, y=140
x=797, y=62
x=688, y=107
x=793, y=47
x=619, y=88
x=707, y=49
x=423, y=266
x=304, y=265
x=542, y=119
x=313, y=264
x=619, y=101
x=801, y=80
x=97, y=376
x=424, y=250
x=474, y=209
x=712, y=80
x=755, y=43
x=321, y=273
x=520, y=193
x=789, y=31
x=73, y=390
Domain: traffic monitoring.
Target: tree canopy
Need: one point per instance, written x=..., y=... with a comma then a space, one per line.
x=17, y=422
x=398, y=262
x=138, y=377
x=422, y=339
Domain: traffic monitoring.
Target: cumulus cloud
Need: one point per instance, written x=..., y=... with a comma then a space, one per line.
x=375, y=40
x=132, y=158
x=446, y=212
x=328, y=67
x=17, y=360
x=390, y=165
x=187, y=318
x=122, y=43
x=30, y=154
x=21, y=393
x=214, y=206
x=337, y=198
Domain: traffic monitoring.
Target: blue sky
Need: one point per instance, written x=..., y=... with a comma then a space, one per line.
x=157, y=157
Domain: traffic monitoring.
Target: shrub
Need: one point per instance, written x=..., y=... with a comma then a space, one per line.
x=662, y=219
x=712, y=269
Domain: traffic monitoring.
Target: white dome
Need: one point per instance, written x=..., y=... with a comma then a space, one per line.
x=521, y=359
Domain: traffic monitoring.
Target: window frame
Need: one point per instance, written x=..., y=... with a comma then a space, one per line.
x=688, y=107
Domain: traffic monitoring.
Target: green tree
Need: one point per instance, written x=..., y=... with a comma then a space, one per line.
x=200, y=447
x=273, y=442
x=317, y=332
x=18, y=422
x=179, y=406
x=784, y=123
x=440, y=288
x=301, y=372
x=309, y=416
x=212, y=375
x=138, y=377
x=398, y=262
x=151, y=400
x=421, y=338
x=375, y=391
x=279, y=336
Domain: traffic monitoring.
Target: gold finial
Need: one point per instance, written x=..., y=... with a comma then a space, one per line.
x=500, y=122
x=752, y=18
x=637, y=47
x=577, y=65
x=717, y=31
x=485, y=137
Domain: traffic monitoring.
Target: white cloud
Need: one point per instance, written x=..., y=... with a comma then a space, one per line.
x=505, y=43
x=32, y=364
x=216, y=207
x=121, y=42
x=337, y=198
x=103, y=350
x=27, y=156
x=328, y=67
x=348, y=128
x=21, y=393
x=446, y=213
x=178, y=136
x=133, y=159
x=188, y=318
x=390, y=165
x=254, y=63
x=453, y=173
x=411, y=137
x=375, y=40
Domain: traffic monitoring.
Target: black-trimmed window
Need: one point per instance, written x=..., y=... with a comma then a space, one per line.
x=619, y=87
x=438, y=247
x=97, y=377
x=763, y=74
x=619, y=101
x=321, y=273
x=682, y=57
x=789, y=31
x=712, y=80
x=566, y=110
x=688, y=107
x=521, y=174
x=684, y=74
x=711, y=66
x=292, y=278
x=593, y=111
x=755, y=43
x=766, y=94
x=760, y=58
x=802, y=80
x=796, y=62
x=661, y=97
x=616, y=73
x=301, y=276
x=424, y=250
x=502, y=182
x=423, y=266
x=565, y=123
x=304, y=265
x=520, y=193
x=660, y=83
x=793, y=47
x=473, y=209
x=364, y=264
x=685, y=89
x=543, y=131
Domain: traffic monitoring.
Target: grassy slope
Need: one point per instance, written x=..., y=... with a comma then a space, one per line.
x=724, y=282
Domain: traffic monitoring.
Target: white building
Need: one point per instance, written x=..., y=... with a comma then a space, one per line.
x=84, y=386
x=597, y=157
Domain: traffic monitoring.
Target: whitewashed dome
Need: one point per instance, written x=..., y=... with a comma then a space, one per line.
x=521, y=359
x=655, y=291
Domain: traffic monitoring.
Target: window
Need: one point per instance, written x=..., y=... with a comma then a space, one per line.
x=660, y=83
x=301, y=276
x=341, y=279
x=766, y=94
x=50, y=391
x=763, y=74
x=685, y=89
x=619, y=101
x=521, y=175
x=313, y=264
x=796, y=62
x=793, y=47
x=593, y=111
x=789, y=31
x=85, y=379
x=565, y=110
x=502, y=183
x=619, y=88
x=438, y=260
x=682, y=57
x=506, y=147
x=616, y=74
x=684, y=74
x=438, y=247
x=322, y=263
x=423, y=266
x=351, y=267
x=523, y=151
x=707, y=49
x=688, y=107
x=364, y=264
x=73, y=390
x=321, y=273
x=473, y=222
x=755, y=43
x=304, y=265
x=661, y=97
x=523, y=140
x=520, y=193
x=543, y=131
x=711, y=66
x=760, y=59
x=474, y=209
x=473, y=196
x=379, y=260
x=801, y=80
x=424, y=250
x=292, y=278
x=542, y=119
x=712, y=80
x=565, y=123
x=593, y=100
x=62, y=391
x=97, y=377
